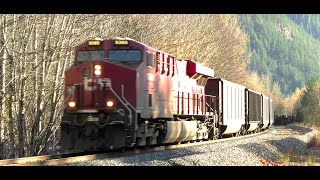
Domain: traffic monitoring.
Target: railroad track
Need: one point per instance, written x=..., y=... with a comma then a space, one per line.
x=56, y=160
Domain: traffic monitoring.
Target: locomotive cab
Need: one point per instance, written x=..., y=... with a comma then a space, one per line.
x=100, y=103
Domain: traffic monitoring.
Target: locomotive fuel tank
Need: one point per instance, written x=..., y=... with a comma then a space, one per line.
x=179, y=131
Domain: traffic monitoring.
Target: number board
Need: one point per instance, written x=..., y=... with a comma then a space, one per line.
x=121, y=42
x=94, y=43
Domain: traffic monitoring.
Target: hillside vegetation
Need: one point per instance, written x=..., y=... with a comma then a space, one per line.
x=284, y=47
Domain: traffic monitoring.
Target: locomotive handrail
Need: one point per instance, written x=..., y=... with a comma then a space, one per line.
x=122, y=94
x=66, y=100
x=127, y=102
x=203, y=98
x=130, y=112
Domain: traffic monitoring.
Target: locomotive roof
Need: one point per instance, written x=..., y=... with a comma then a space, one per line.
x=130, y=39
x=195, y=66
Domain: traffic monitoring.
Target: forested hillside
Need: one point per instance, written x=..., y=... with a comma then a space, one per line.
x=310, y=22
x=284, y=47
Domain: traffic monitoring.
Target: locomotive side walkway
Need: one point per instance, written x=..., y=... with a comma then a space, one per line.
x=265, y=149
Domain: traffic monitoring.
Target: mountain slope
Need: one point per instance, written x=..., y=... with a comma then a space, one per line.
x=282, y=49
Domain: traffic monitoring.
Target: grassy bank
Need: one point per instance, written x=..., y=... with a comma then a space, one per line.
x=292, y=157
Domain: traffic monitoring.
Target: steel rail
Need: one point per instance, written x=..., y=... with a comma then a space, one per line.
x=56, y=160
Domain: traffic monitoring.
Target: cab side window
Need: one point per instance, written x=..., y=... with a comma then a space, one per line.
x=150, y=60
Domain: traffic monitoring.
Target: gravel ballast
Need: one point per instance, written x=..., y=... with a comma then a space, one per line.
x=249, y=151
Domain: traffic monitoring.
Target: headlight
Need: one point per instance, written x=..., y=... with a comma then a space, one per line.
x=97, y=70
x=97, y=67
x=109, y=103
x=72, y=104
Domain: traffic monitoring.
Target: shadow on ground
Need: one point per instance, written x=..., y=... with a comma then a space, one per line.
x=299, y=129
x=289, y=147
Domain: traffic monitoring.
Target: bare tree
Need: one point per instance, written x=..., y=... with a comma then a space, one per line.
x=9, y=83
x=216, y=41
x=1, y=91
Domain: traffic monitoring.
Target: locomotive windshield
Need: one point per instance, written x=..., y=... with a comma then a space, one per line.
x=83, y=56
x=124, y=55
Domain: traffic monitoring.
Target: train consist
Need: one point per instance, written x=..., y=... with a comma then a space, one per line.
x=123, y=93
x=285, y=119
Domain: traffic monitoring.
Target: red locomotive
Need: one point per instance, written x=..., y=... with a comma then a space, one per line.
x=123, y=93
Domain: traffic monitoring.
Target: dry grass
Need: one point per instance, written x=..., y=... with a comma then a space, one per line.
x=314, y=142
x=310, y=160
x=292, y=157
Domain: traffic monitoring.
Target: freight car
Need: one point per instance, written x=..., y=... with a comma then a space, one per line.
x=123, y=93
x=259, y=111
x=285, y=119
x=230, y=105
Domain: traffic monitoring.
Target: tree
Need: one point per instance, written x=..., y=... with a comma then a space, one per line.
x=1, y=89
x=309, y=109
